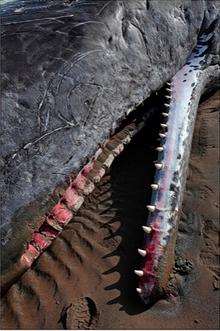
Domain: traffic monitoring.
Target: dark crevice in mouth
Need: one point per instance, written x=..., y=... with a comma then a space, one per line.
x=148, y=110
x=131, y=175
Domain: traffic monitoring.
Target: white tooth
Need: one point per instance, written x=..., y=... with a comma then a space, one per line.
x=139, y=290
x=151, y=208
x=167, y=105
x=159, y=165
x=168, y=83
x=142, y=252
x=165, y=114
x=159, y=149
x=139, y=272
x=168, y=96
x=163, y=125
x=147, y=229
x=168, y=89
x=154, y=186
x=162, y=135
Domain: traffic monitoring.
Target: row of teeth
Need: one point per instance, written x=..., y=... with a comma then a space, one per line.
x=155, y=186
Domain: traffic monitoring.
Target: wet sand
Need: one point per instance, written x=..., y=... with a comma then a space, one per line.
x=85, y=280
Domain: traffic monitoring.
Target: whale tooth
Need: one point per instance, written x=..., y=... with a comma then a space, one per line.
x=167, y=105
x=147, y=229
x=162, y=135
x=139, y=290
x=139, y=272
x=142, y=252
x=168, y=83
x=151, y=208
x=168, y=96
x=154, y=186
x=159, y=165
x=165, y=114
x=168, y=89
x=163, y=125
x=159, y=149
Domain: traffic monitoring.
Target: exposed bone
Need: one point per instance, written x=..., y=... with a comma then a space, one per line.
x=83, y=184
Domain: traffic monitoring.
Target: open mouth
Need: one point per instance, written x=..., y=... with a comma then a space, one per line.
x=130, y=189
x=102, y=240
x=174, y=108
